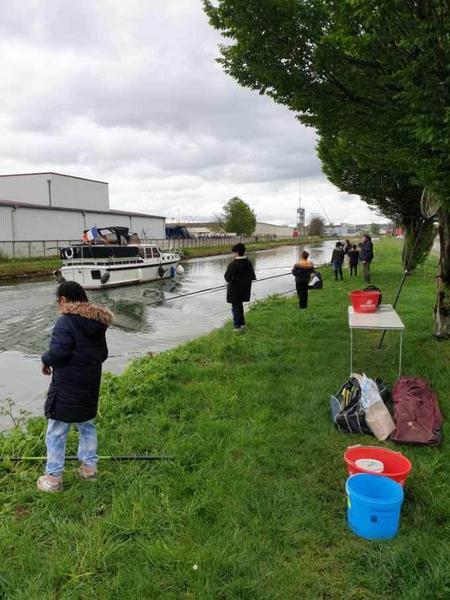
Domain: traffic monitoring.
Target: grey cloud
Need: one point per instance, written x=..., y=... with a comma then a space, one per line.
x=130, y=92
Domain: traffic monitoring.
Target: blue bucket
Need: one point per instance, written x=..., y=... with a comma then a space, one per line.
x=374, y=504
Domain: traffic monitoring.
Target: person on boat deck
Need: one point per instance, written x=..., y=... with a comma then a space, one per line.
x=74, y=361
x=337, y=260
x=239, y=276
x=366, y=256
x=353, y=256
x=302, y=271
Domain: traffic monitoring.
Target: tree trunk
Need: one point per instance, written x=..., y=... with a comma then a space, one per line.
x=419, y=238
x=442, y=308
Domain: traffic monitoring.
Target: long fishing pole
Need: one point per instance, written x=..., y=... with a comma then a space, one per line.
x=405, y=274
x=329, y=220
x=124, y=457
x=212, y=289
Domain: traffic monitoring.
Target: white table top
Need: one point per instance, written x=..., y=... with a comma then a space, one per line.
x=384, y=318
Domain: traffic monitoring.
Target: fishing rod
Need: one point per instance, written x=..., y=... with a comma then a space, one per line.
x=327, y=216
x=123, y=457
x=428, y=208
x=212, y=289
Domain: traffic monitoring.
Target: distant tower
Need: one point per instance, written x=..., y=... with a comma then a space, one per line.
x=300, y=216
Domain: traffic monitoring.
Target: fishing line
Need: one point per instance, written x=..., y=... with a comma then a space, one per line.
x=326, y=214
x=212, y=289
x=221, y=287
x=123, y=457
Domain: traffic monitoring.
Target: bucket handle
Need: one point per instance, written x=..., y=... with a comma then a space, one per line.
x=359, y=446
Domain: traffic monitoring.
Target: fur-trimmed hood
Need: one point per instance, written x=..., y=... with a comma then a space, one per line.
x=304, y=263
x=89, y=311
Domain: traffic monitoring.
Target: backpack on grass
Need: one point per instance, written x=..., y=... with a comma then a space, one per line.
x=418, y=418
x=347, y=411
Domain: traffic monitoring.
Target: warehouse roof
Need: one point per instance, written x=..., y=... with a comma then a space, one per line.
x=78, y=210
x=53, y=173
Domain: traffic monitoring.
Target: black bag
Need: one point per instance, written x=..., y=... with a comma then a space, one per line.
x=347, y=412
x=373, y=288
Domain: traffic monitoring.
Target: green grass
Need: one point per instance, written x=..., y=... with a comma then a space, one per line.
x=252, y=247
x=27, y=267
x=255, y=496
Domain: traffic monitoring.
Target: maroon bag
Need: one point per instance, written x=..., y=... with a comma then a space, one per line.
x=418, y=419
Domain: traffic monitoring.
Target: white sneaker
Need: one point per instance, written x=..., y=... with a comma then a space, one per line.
x=88, y=473
x=49, y=483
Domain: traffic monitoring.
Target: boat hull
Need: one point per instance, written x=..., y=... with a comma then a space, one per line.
x=96, y=277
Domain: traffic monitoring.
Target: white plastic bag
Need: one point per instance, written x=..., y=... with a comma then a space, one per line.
x=369, y=392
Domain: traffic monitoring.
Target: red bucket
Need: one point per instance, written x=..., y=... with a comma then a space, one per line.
x=365, y=302
x=396, y=466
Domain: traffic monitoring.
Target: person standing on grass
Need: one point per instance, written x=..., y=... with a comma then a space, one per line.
x=74, y=360
x=302, y=271
x=353, y=257
x=347, y=248
x=337, y=260
x=239, y=276
x=366, y=256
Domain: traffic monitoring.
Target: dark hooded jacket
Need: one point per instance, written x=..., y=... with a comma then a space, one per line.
x=77, y=350
x=239, y=276
x=302, y=270
x=366, y=254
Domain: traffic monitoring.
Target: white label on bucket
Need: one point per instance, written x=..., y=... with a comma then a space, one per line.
x=370, y=464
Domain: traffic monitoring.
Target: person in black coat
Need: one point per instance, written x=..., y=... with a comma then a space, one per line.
x=337, y=260
x=366, y=256
x=74, y=361
x=239, y=276
x=353, y=256
x=302, y=271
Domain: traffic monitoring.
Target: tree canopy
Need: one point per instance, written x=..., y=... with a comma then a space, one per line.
x=238, y=217
x=370, y=72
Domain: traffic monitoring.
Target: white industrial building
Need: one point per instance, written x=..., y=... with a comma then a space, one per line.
x=41, y=209
x=269, y=229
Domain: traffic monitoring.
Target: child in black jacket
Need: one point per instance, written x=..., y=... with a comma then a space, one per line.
x=353, y=256
x=239, y=276
x=74, y=362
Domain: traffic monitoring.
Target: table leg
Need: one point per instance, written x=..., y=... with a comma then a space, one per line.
x=351, y=350
x=400, y=355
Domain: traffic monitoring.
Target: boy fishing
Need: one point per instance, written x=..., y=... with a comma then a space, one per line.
x=74, y=361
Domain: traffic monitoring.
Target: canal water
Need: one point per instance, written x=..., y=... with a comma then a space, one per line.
x=146, y=319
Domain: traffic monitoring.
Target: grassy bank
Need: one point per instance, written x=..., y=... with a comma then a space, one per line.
x=254, y=247
x=28, y=267
x=37, y=267
x=253, y=504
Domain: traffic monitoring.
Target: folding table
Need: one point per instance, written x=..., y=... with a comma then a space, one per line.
x=385, y=318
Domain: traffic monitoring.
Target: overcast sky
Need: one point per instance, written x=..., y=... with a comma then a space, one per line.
x=128, y=92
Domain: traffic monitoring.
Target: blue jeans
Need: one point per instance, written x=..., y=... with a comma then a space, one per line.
x=55, y=440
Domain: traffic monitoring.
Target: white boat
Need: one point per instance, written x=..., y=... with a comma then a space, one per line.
x=116, y=260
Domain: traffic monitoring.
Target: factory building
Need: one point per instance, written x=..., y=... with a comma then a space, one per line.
x=36, y=208
x=269, y=229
